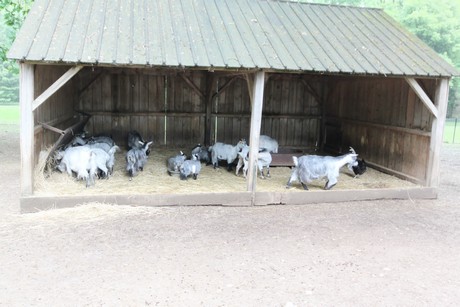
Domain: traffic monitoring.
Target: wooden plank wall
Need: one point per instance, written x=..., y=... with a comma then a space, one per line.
x=56, y=110
x=384, y=121
x=121, y=100
x=291, y=113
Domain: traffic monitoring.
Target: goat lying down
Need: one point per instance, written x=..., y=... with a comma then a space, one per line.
x=311, y=167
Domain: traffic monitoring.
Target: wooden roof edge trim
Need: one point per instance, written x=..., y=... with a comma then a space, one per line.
x=242, y=69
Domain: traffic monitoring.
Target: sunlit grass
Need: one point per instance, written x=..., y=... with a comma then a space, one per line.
x=9, y=114
x=452, y=131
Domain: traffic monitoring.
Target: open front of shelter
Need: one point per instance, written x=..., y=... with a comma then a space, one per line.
x=317, y=78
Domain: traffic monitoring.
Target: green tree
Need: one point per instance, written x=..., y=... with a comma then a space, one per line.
x=12, y=15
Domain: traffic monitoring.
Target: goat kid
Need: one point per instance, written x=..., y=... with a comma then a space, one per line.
x=190, y=168
x=136, y=158
x=175, y=162
x=264, y=159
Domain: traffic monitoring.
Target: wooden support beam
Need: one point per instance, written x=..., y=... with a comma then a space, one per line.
x=194, y=87
x=210, y=81
x=26, y=97
x=437, y=133
x=51, y=128
x=55, y=86
x=256, y=123
x=423, y=96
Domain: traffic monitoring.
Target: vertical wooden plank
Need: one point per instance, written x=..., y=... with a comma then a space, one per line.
x=437, y=130
x=256, y=119
x=26, y=98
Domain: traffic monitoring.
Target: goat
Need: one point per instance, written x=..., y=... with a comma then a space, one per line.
x=81, y=160
x=136, y=159
x=311, y=167
x=264, y=158
x=359, y=166
x=221, y=151
x=268, y=143
x=136, y=141
x=190, y=167
x=202, y=152
x=105, y=160
x=102, y=139
x=175, y=162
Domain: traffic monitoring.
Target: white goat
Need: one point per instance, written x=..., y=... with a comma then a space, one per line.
x=268, y=143
x=311, y=167
x=190, y=167
x=81, y=160
x=264, y=158
x=221, y=151
x=105, y=160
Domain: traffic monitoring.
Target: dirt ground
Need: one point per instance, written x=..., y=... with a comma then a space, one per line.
x=373, y=253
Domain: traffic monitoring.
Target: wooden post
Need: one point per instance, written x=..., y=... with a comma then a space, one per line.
x=26, y=98
x=437, y=133
x=256, y=123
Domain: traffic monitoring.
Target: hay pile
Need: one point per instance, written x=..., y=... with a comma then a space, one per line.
x=155, y=180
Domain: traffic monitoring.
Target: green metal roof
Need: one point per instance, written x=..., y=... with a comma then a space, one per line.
x=224, y=34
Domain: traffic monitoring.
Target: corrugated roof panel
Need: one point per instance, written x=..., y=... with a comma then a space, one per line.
x=294, y=33
x=222, y=34
x=253, y=50
x=76, y=41
x=179, y=22
x=228, y=55
x=264, y=38
x=125, y=33
x=280, y=39
x=168, y=40
x=320, y=47
x=271, y=26
x=90, y=52
x=334, y=48
x=379, y=43
x=59, y=38
x=363, y=61
x=209, y=38
x=154, y=35
x=46, y=30
x=417, y=51
x=304, y=38
x=340, y=35
x=195, y=37
x=240, y=34
x=108, y=48
x=139, y=48
x=368, y=44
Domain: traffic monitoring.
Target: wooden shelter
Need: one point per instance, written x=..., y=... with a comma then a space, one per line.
x=187, y=71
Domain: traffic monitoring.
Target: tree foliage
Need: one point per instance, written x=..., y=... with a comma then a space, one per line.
x=13, y=13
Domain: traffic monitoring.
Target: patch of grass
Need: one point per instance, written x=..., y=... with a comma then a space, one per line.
x=9, y=114
x=452, y=131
